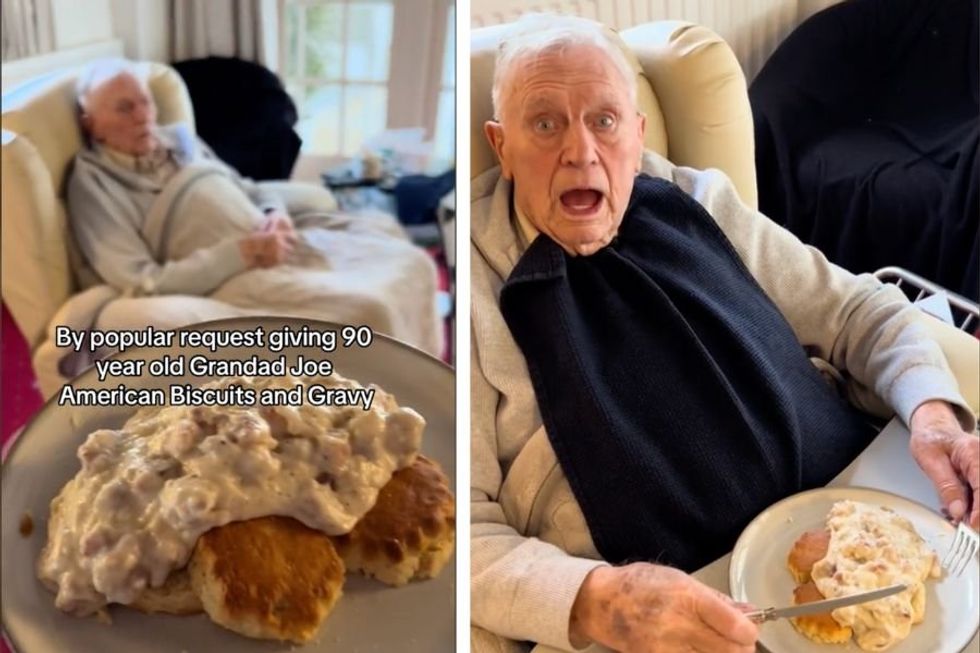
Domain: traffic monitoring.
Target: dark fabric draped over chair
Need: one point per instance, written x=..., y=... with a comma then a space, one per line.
x=867, y=136
x=244, y=114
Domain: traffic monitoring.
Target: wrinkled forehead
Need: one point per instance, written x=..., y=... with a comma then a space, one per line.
x=121, y=85
x=551, y=72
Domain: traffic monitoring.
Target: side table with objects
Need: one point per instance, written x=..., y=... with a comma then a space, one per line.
x=425, y=205
x=358, y=187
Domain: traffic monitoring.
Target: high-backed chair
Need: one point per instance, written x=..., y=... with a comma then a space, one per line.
x=41, y=284
x=693, y=92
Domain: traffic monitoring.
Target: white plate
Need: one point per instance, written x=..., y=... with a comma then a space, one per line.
x=369, y=617
x=758, y=573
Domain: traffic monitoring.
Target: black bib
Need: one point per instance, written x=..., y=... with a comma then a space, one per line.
x=677, y=398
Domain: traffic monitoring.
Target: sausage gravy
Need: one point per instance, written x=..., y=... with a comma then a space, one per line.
x=148, y=490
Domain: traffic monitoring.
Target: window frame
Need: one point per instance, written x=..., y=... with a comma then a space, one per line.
x=414, y=81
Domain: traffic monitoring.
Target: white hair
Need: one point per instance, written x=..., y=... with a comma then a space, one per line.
x=101, y=71
x=534, y=34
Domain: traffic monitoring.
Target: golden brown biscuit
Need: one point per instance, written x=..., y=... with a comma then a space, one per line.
x=270, y=578
x=822, y=627
x=410, y=532
x=175, y=596
x=807, y=550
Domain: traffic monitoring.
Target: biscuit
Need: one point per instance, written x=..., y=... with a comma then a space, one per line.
x=175, y=596
x=409, y=533
x=269, y=578
x=821, y=627
x=809, y=548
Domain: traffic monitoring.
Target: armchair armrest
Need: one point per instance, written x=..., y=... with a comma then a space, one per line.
x=702, y=94
x=37, y=277
x=81, y=310
x=79, y=314
x=301, y=197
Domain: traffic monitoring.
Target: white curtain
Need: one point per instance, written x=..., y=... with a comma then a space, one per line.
x=247, y=29
x=26, y=28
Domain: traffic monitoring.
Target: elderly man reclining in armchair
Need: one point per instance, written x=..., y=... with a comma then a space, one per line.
x=155, y=212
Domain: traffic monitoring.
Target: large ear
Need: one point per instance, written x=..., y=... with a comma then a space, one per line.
x=494, y=132
x=88, y=124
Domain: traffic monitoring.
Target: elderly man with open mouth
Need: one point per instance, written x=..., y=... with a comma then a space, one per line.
x=642, y=381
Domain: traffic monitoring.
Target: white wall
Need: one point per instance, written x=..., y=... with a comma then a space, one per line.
x=142, y=25
x=144, y=28
x=80, y=31
x=78, y=23
x=85, y=30
x=753, y=28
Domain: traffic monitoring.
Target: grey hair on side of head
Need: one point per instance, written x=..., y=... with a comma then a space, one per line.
x=101, y=71
x=534, y=34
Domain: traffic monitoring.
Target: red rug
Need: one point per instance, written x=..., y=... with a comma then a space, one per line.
x=20, y=397
x=446, y=301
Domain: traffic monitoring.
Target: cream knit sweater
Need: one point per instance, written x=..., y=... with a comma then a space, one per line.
x=531, y=547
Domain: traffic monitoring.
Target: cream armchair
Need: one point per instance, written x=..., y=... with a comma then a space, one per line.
x=41, y=287
x=693, y=92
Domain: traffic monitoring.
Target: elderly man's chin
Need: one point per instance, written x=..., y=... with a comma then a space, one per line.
x=585, y=239
x=143, y=144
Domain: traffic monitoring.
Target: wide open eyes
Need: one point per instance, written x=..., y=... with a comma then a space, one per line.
x=544, y=125
x=605, y=122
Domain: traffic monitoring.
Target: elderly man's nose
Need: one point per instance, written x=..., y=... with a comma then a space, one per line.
x=143, y=113
x=579, y=146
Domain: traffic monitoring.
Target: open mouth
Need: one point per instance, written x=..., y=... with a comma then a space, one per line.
x=581, y=201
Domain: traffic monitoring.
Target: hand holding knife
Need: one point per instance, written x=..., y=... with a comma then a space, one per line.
x=816, y=607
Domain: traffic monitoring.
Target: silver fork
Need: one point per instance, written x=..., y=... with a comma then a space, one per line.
x=962, y=550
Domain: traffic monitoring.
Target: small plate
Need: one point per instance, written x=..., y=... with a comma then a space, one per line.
x=758, y=573
x=369, y=617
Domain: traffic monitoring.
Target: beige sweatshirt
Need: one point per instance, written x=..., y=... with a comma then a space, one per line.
x=531, y=547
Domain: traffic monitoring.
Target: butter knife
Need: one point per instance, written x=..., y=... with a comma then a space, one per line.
x=816, y=607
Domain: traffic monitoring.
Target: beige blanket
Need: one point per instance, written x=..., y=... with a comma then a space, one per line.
x=357, y=269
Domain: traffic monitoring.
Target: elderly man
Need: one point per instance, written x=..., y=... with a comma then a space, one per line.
x=154, y=212
x=641, y=380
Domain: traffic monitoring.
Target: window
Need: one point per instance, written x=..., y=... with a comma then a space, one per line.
x=357, y=67
x=445, y=130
